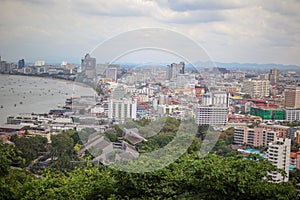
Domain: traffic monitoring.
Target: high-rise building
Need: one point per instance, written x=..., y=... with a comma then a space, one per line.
x=120, y=110
x=256, y=88
x=174, y=69
x=273, y=76
x=279, y=155
x=21, y=64
x=88, y=62
x=88, y=66
x=292, y=97
x=112, y=73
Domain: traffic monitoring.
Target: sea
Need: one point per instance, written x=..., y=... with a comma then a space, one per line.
x=27, y=94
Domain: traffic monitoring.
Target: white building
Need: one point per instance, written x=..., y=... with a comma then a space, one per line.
x=292, y=115
x=39, y=63
x=120, y=110
x=279, y=155
x=216, y=98
x=256, y=88
x=211, y=115
x=167, y=109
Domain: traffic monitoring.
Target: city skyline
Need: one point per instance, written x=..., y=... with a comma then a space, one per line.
x=230, y=31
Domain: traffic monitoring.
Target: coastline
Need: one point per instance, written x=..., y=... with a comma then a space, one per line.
x=15, y=99
x=51, y=78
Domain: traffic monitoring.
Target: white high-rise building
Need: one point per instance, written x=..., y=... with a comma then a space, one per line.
x=120, y=110
x=279, y=155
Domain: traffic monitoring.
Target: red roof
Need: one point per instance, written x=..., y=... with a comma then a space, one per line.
x=257, y=100
x=293, y=155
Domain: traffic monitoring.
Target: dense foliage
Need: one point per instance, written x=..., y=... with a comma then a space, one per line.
x=191, y=176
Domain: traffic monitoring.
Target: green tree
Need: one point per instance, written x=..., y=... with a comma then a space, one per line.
x=30, y=148
x=62, y=150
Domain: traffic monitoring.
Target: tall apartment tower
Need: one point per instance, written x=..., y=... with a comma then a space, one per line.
x=21, y=64
x=174, y=69
x=292, y=97
x=279, y=156
x=88, y=66
x=273, y=76
x=111, y=73
x=256, y=88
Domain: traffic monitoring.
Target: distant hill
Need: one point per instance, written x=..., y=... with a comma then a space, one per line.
x=250, y=66
x=230, y=66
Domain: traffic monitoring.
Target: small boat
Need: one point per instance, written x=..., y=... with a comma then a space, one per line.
x=15, y=105
x=1, y=106
x=21, y=102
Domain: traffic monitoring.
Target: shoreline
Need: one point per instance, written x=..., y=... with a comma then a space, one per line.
x=51, y=78
x=28, y=104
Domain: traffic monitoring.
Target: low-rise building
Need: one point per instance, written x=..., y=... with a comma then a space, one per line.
x=256, y=136
x=292, y=115
x=211, y=115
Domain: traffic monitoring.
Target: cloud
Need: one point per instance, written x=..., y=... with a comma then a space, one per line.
x=187, y=5
x=230, y=30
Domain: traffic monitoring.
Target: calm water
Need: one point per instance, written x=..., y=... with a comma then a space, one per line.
x=22, y=94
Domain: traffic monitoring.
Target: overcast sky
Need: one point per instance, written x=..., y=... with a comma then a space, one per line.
x=265, y=31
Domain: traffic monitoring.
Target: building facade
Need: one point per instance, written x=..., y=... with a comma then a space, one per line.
x=88, y=66
x=257, y=137
x=273, y=76
x=292, y=115
x=256, y=88
x=21, y=64
x=292, y=97
x=279, y=155
x=174, y=69
x=211, y=115
x=120, y=110
x=112, y=73
x=217, y=98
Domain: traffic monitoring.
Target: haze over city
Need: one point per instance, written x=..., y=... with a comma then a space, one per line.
x=230, y=31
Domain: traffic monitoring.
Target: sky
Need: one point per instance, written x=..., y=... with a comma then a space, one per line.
x=253, y=31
